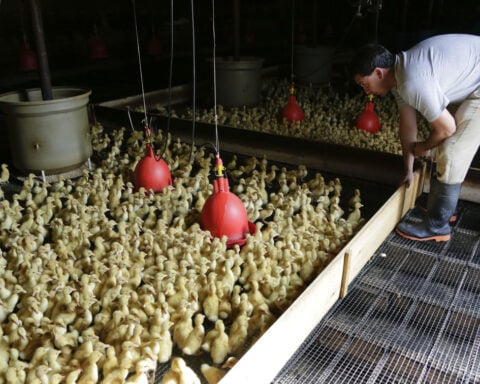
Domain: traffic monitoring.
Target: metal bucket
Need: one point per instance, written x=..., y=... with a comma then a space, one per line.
x=238, y=81
x=313, y=65
x=47, y=135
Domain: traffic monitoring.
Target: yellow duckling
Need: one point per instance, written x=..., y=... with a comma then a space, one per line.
x=182, y=328
x=194, y=340
x=180, y=373
x=211, y=302
x=238, y=333
x=143, y=369
x=166, y=342
x=72, y=376
x=356, y=198
x=216, y=342
x=110, y=362
x=212, y=374
x=5, y=175
x=355, y=217
x=4, y=353
x=117, y=375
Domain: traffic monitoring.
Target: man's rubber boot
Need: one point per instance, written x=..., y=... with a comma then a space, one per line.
x=442, y=202
x=421, y=206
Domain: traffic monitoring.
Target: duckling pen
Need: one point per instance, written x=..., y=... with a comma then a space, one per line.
x=362, y=169
x=300, y=347
x=99, y=278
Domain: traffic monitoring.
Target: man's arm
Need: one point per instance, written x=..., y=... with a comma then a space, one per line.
x=408, y=138
x=442, y=127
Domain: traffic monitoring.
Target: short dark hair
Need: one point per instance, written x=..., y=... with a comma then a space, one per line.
x=369, y=57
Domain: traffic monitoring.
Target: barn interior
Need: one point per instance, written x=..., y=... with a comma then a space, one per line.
x=163, y=218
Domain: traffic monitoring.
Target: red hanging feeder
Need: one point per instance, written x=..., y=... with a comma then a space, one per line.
x=151, y=172
x=27, y=58
x=292, y=111
x=155, y=47
x=368, y=120
x=224, y=213
x=98, y=49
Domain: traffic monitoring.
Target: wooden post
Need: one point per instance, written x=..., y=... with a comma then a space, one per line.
x=345, y=277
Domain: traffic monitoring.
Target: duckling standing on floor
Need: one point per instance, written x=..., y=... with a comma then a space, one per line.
x=238, y=333
x=194, y=340
x=212, y=374
x=211, y=302
x=90, y=369
x=217, y=342
x=180, y=373
x=182, y=328
x=5, y=175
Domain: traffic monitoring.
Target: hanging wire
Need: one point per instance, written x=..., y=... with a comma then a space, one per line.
x=292, y=41
x=194, y=87
x=170, y=72
x=217, y=143
x=145, y=121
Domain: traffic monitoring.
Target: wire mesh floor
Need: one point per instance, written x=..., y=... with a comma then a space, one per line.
x=411, y=316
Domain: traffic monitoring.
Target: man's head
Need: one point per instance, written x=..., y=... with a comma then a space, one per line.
x=371, y=68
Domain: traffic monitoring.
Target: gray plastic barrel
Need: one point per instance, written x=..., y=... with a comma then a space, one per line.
x=313, y=65
x=238, y=81
x=47, y=135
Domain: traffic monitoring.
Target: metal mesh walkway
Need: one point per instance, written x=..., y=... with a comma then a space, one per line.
x=411, y=316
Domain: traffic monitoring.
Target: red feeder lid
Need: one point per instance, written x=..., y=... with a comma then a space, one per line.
x=98, y=49
x=368, y=120
x=292, y=111
x=27, y=58
x=151, y=173
x=224, y=213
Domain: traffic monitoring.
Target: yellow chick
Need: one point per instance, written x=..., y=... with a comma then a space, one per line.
x=166, y=342
x=355, y=217
x=356, y=198
x=238, y=333
x=217, y=342
x=5, y=175
x=143, y=369
x=180, y=373
x=194, y=340
x=110, y=362
x=90, y=369
x=72, y=376
x=117, y=375
x=212, y=374
x=182, y=328
x=211, y=303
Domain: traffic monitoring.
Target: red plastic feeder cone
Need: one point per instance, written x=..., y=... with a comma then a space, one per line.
x=27, y=58
x=98, y=49
x=154, y=47
x=224, y=213
x=368, y=120
x=151, y=173
x=292, y=111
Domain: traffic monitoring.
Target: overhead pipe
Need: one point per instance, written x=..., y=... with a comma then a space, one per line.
x=41, y=49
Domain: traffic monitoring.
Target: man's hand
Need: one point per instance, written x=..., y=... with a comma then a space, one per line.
x=420, y=149
x=407, y=178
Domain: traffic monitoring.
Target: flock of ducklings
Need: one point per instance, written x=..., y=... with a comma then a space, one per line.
x=100, y=283
x=329, y=116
